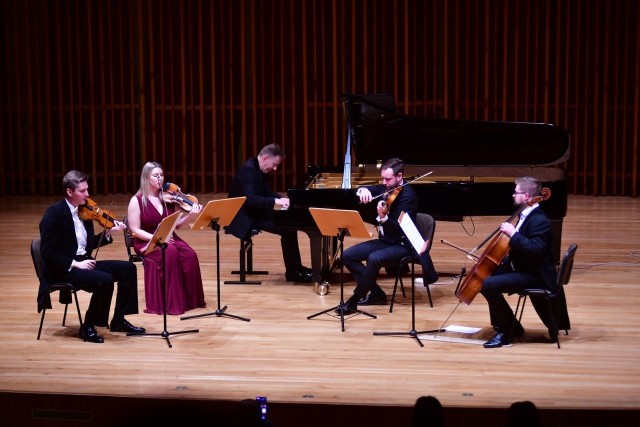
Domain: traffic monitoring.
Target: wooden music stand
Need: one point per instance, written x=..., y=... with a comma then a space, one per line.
x=338, y=223
x=158, y=240
x=216, y=214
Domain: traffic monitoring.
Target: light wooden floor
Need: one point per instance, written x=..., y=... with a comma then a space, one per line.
x=290, y=359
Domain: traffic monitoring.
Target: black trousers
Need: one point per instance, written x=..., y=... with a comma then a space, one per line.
x=100, y=283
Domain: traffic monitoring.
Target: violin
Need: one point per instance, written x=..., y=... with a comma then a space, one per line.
x=492, y=256
x=173, y=194
x=91, y=212
x=391, y=197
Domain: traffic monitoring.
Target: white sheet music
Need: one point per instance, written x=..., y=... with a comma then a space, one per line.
x=411, y=231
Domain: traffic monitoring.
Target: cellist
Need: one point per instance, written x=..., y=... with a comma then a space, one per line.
x=528, y=264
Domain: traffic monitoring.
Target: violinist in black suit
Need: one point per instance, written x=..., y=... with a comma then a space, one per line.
x=252, y=180
x=365, y=259
x=529, y=263
x=67, y=242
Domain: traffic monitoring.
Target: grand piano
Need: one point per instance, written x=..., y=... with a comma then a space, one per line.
x=473, y=163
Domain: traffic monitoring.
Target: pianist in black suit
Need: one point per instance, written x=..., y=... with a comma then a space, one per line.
x=529, y=263
x=252, y=180
x=364, y=260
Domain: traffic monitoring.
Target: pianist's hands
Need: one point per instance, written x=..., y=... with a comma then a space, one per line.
x=282, y=203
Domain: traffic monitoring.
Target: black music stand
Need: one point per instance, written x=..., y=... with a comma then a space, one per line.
x=338, y=223
x=417, y=243
x=412, y=333
x=215, y=214
x=158, y=240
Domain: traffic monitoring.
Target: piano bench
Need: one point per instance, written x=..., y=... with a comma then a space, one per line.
x=246, y=262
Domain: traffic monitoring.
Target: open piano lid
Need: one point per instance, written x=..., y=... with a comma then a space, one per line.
x=379, y=132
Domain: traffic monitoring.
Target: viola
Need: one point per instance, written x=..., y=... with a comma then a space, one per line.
x=173, y=194
x=90, y=211
x=492, y=256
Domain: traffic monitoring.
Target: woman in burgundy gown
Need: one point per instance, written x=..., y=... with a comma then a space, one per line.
x=147, y=209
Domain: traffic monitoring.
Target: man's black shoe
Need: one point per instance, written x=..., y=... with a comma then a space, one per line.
x=125, y=326
x=498, y=340
x=372, y=299
x=349, y=307
x=89, y=333
x=299, y=276
x=304, y=269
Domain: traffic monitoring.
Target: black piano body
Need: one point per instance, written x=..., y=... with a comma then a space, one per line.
x=473, y=164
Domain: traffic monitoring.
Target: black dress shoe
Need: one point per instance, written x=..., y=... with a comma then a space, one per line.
x=498, y=340
x=125, y=326
x=349, y=307
x=372, y=299
x=299, y=276
x=89, y=333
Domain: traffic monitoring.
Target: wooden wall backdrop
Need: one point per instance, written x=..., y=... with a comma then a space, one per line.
x=104, y=86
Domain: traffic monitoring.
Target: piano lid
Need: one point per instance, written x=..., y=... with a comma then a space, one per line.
x=379, y=132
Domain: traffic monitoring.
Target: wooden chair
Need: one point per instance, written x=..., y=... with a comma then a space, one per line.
x=426, y=225
x=67, y=290
x=564, y=274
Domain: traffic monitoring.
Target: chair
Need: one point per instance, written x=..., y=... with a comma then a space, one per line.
x=128, y=242
x=246, y=262
x=66, y=289
x=426, y=225
x=564, y=274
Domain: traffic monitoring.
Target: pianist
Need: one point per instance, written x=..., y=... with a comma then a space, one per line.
x=252, y=180
x=364, y=260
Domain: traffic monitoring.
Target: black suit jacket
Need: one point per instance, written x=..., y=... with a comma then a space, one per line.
x=531, y=251
x=257, y=210
x=406, y=201
x=58, y=246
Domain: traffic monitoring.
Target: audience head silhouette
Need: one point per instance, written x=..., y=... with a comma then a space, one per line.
x=427, y=411
x=523, y=414
x=248, y=414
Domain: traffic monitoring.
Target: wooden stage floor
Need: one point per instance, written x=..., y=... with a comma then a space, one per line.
x=311, y=372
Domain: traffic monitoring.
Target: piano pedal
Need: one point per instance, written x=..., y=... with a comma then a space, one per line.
x=321, y=288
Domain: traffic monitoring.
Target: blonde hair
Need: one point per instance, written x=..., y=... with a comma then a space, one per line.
x=145, y=187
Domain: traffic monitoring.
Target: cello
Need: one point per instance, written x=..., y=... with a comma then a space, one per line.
x=492, y=256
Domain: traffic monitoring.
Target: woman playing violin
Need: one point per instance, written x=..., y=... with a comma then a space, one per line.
x=391, y=245
x=529, y=263
x=147, y=208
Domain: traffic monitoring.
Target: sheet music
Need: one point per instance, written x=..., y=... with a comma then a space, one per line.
x=411, y=231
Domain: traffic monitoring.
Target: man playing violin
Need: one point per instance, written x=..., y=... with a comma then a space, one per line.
x=529, y=263
x=67, y=242
x=364, y=260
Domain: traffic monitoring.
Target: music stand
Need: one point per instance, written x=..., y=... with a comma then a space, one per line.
x=412, y=333
x=158, y=240
x=417, y=243
x=215, y=214
x=338, y=223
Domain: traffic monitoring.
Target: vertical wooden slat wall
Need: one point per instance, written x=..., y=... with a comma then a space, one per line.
x=199, y=85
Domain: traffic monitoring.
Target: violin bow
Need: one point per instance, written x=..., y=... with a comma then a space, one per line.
x=403, y=184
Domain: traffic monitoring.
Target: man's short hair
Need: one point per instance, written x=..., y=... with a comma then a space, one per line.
x=394, y=163
x=272, y=150
x=72, y=179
